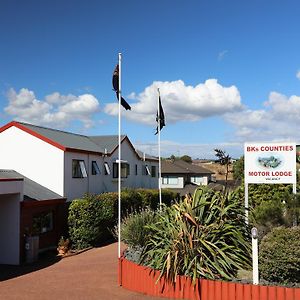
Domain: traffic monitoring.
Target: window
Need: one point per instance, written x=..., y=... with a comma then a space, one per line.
x=95, y=168
x=78, y=169
x=172, y=180
x=125, y=170
x=136, y=169
x=196, y=179
x=153, y=171
x=146, y=170
x=106, y=168
x=42, y=223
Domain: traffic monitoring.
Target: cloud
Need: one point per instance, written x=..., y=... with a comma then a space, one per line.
x=279, y=120
x=222, y=54
x=55, y=110
x=298, y=74
x=181, y=102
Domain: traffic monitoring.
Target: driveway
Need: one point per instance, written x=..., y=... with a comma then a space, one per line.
x=89, y=275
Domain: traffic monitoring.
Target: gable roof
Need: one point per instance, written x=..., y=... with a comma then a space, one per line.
x=32, y=190
x=182, y=167
x=68, y=141
x=143, y=155
x=106, y=142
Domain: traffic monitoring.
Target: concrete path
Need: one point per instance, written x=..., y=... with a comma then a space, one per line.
x=89, y=275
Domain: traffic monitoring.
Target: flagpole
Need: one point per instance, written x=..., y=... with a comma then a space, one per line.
x=119, y=164
x=159, y=159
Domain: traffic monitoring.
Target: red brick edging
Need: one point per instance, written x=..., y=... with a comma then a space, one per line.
x=143, y=280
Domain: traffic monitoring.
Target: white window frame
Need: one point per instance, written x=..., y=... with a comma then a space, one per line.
x=107, y=169
x=82, y=168
x=147, y=170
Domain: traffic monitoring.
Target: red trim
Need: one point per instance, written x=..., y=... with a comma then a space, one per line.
x=42, y=202
x=39, y=136
x=11, y=179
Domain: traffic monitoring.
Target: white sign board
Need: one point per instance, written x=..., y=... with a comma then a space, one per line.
x=270, y=163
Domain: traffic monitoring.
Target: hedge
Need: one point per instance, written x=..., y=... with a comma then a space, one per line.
x=279, y=255
x=92, y=218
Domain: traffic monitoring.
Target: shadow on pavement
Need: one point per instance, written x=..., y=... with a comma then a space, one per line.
x=45, y=260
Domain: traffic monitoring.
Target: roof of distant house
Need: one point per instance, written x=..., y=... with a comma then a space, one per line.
x=182, y=167
x=32, y=189
x=64, y=140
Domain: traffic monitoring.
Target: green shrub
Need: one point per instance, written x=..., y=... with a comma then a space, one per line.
x=89, y=219
x=204, y=236
x=92, y=218
x=267, y=215
x=279, y=255
x=134, y=230
x=150, y=198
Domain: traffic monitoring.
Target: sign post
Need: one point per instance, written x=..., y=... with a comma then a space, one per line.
x=270, y=163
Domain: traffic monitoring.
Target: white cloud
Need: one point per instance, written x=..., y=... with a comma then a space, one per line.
x=279, y=120
x=55, y=110
x=181, y=102
x=298, y=74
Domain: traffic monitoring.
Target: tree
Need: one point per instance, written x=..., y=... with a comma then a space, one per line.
x=224, y=160
x=186, y=158
x=238, y=168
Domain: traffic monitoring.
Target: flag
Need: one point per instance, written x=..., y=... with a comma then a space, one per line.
x=160, y=117
x=115, y=83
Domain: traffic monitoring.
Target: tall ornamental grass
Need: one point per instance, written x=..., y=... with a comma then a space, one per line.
x=201, y=236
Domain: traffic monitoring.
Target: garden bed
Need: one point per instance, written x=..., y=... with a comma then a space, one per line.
x=143, y=280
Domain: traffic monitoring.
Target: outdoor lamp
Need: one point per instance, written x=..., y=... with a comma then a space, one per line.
x=254, y=233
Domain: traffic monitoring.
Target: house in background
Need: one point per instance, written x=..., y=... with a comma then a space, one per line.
x=27, y=208
x=183, y=177
x=71, y=164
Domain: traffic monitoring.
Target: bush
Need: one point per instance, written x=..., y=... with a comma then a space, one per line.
x=279, y=255
x=269, y=205
x=267, y=215
x=150, y=198
x=92, y=218
x=134, y=230
x=89, y=219
x=204, y=236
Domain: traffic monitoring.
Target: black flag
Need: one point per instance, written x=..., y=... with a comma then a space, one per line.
x=115, y=82
x=160, y=117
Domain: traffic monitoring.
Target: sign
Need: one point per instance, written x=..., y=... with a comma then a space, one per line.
x=270, y=163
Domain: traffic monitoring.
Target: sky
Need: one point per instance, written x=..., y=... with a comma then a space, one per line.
x=228, y=71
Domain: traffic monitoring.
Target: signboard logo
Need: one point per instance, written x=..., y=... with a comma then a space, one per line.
x=269, y=162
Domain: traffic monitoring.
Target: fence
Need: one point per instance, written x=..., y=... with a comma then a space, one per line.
x=143, y=280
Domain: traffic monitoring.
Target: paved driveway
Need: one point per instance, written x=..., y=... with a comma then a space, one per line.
x=89, y=275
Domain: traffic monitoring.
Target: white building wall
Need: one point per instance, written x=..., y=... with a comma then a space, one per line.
x=32, y=157
x=77, y=187
x=10, y=228
x=132, y=181
x=11, y=187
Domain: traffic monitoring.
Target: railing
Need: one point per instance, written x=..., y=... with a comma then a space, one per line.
x=143, y=280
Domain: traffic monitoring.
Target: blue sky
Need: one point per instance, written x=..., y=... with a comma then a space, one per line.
x=228, y=71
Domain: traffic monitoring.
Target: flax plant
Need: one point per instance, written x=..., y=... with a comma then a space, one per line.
x=201, y=236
